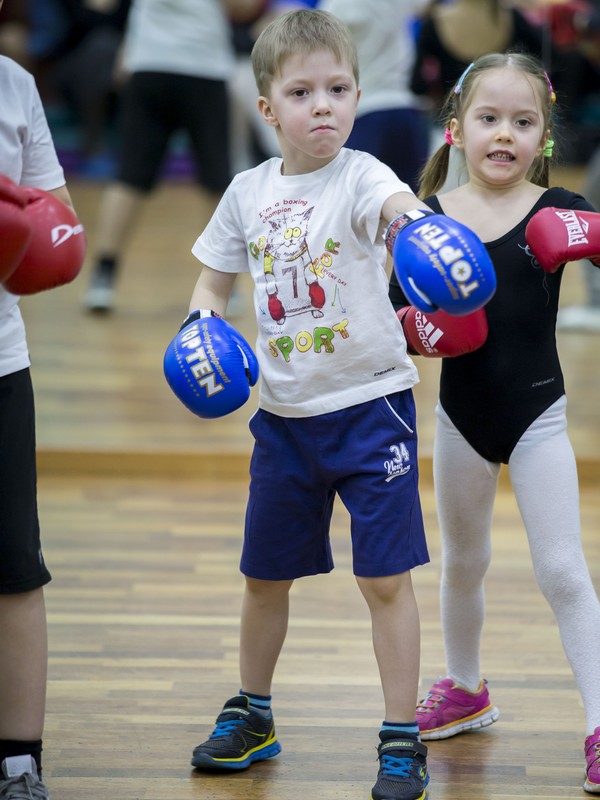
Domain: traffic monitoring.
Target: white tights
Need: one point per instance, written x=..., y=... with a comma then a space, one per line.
x=544, y=477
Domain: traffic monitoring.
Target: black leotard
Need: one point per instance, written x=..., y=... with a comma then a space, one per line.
x=494, y=394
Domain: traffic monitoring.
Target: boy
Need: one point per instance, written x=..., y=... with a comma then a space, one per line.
x=336, y=412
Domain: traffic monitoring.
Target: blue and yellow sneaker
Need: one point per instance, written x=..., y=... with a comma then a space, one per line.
x=240, y=737
x=402, y=768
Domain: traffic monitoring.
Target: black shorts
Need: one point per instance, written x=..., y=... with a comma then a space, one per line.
x=22, y=567
x=156, y=105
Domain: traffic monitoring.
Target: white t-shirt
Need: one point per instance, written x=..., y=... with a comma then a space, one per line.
x=325, y=228
x=28, y=157
x=185, y=37
x=381, y=30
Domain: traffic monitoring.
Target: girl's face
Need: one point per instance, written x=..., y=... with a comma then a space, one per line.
x=503, y=128
x=312, y=104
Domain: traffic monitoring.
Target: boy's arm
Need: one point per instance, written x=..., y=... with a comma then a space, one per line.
x=400, y=203
x=440, y=264
x=212, y=290
x=209, y=365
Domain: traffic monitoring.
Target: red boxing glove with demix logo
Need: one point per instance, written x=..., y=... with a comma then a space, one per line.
x=56, y=250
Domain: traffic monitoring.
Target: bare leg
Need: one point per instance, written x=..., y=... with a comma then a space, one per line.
x=23, y=665
x=264, y=622
x=396, y=641
x=119, y=210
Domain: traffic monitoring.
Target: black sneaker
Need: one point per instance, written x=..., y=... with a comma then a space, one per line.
x=402, y=768
x=240, y=737
x=101, y=291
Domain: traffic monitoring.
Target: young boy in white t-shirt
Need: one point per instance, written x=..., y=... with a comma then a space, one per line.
x=336, y=412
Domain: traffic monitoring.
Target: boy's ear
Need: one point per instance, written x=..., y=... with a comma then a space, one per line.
x=456, y=134
x=266, y=112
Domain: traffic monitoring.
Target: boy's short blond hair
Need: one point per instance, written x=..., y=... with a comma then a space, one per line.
x=301, y=31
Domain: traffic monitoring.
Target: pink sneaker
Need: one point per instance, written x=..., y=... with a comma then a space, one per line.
x=448, y=709
x=592, y=758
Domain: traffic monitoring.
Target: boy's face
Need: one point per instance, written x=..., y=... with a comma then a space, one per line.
x=312, y=104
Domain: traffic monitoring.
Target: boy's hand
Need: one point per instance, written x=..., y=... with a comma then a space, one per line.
x=440, y=263
x=210, y=366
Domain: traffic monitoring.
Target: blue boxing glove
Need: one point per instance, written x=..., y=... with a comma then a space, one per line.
x=210, y=366
x=440, y=263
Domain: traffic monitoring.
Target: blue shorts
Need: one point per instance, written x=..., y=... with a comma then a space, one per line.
x=367, y=454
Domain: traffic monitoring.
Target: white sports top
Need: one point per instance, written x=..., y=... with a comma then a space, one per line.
x=28, y=157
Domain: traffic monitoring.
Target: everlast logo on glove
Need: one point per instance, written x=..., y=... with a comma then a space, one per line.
x=576, y=228
x=554, y=242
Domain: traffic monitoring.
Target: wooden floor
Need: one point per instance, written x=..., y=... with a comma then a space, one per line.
x=143, y=615
x=141, y=506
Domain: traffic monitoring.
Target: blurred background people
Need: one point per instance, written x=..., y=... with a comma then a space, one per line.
x=580, y=28
x=450, y=36
x=251, y=140
x=390, y=122
x=179, y=58
x=75, y=44
x=14, y=31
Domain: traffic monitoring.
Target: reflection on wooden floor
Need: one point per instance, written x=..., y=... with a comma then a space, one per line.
x=143, y=614
x=143, y=608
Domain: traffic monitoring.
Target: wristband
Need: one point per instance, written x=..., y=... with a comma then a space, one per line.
x=200, y=314
x=399, y=222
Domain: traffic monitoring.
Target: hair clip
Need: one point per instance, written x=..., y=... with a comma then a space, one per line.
x=549, y=148
x=448, y=137
x=550, y=88
x=458, y=87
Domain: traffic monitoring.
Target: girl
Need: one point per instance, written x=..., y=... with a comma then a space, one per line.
x=505, y=403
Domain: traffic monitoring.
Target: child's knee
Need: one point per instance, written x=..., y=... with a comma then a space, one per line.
x=385, y=590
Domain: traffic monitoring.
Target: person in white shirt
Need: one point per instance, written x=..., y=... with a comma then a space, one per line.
x=28, y=158
x=336, y=412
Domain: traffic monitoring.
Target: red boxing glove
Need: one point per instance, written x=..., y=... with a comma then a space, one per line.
x=15, y=229
x=57, y=248
x=443, y=335
x=558, y=235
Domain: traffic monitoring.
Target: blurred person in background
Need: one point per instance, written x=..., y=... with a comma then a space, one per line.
x=390, y=122
x=580, y=28
x=75, y=44
x=179, y=57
